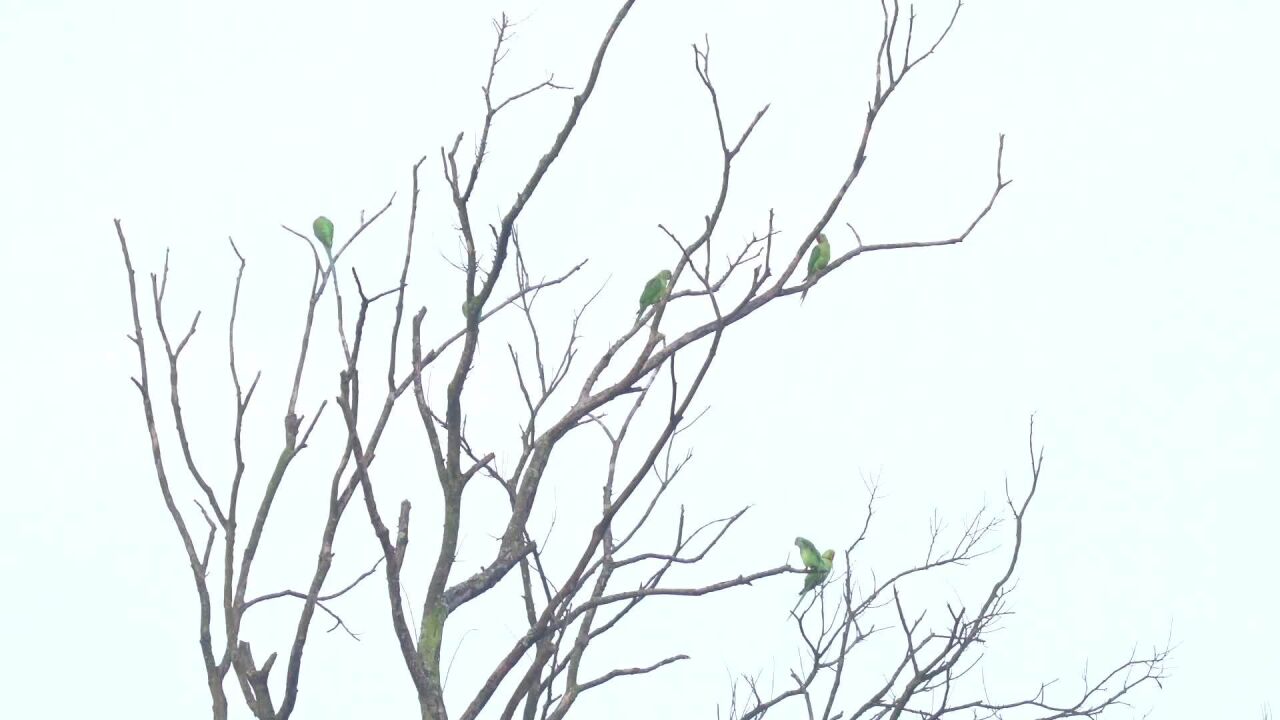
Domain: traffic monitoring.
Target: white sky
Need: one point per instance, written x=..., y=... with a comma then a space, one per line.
x=1123, y=289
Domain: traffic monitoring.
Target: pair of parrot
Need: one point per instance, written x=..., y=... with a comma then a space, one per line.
x=819, y=566
x=654, y=290
x=657, y=286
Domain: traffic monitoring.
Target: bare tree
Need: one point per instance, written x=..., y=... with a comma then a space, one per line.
x=542, y=674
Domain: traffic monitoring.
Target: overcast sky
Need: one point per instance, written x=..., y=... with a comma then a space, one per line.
x=1123, y=289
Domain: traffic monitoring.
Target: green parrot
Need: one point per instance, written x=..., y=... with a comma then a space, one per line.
x=323, y=228
x=654, y=290
x=808, y=554
x=818, y=574
x=818, y=259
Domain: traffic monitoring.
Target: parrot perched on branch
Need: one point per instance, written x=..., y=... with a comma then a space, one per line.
x=819, y=256
x=817, y=575
x=323, y=228
x=808, y=553
x=819, y=566
x=654, y=290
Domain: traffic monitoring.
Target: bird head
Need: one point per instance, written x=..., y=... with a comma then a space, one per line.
x=665, y=275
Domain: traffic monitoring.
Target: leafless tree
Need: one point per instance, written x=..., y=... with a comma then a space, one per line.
x=542, y=674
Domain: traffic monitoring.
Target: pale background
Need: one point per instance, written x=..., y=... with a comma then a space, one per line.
x=1123, y=289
